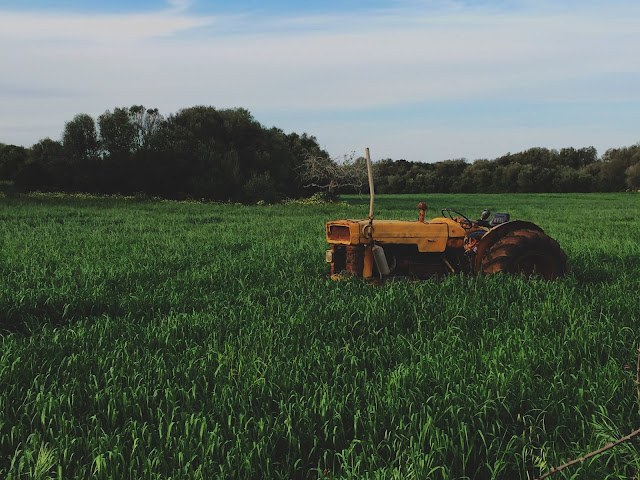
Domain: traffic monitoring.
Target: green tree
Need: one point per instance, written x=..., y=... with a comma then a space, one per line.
x=288, y=154
x=261, y=187
x=80, y=138
x=194, y=155
x=148, y=124
x=449, y=174
x=632, y=175
x=478, y=177
x=12, y=159
x=579, y=158
x=45, y=167
x=510, y=174
x=565, y=179
x=81, y=149
x=118, y=143
x=613, y=170
x=118, y=134
x=532, y=179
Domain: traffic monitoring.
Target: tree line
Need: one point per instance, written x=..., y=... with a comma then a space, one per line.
x=536, y=170
x=199, y=152
x=206, y=153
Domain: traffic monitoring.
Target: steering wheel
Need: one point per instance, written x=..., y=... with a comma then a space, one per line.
x=464, y=223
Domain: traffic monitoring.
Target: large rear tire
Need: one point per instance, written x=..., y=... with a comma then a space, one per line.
x=527, y=253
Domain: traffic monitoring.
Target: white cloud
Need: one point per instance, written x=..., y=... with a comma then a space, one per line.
x=173, y=59
x=99, y=28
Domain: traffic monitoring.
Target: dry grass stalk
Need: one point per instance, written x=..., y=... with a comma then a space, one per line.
x=609, y=445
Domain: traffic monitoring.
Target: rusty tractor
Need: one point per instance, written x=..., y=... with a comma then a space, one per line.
x=451, y=243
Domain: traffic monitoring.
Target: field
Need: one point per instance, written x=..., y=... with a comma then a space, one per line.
x=154, y=339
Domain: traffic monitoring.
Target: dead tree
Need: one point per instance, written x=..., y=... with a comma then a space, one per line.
x=325, y=173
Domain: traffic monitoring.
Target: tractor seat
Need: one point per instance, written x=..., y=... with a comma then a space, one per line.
x=498, y=218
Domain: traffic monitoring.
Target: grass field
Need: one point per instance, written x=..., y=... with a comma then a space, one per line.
x=152, y=339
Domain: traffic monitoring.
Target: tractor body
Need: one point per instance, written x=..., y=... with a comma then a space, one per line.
x=448, y=244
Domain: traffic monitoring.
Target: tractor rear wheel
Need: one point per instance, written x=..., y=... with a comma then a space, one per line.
x=526, y=252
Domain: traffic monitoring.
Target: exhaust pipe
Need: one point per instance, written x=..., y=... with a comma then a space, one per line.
x=381, y=260
x=378, y=252
x=370, y=184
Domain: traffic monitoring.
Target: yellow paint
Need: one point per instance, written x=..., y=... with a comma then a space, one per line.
x=428, y=237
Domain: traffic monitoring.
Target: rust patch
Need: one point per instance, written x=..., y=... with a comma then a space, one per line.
x=355, y=260
x=455, y=242
x=471, y=244
x=339, y=259
x=422, y=207
x=339, y=233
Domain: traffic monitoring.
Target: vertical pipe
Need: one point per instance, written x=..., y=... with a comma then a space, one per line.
x=370, y=183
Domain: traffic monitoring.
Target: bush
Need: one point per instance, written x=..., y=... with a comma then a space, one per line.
x=261, y=187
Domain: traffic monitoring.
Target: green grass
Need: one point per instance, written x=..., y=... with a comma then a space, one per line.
x=151, y=339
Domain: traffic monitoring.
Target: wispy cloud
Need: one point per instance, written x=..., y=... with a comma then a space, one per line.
x=290, y=69
x=115, y=28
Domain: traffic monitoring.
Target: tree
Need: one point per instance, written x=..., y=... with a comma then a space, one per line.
x=80, y=138
x=288, y=152
x=615, y=163
x=118, y=143
x=566, y=179
x=147, y=123
x=322, y=172
x=261, y=187
x=117, y=133
x=81, y=148
x=633, y=177
x=577, y=158
x=539, y=157
x=532, y=179
x=449, y=174
x=12, y=158
x=477, y=177
x=45, y=168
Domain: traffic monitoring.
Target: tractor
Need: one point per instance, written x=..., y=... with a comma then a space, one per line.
x=453, y=243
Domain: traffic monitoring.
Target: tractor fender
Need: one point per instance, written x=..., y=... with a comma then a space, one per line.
x=495, y=234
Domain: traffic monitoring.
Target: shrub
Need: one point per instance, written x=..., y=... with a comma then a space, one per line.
x=261, y=187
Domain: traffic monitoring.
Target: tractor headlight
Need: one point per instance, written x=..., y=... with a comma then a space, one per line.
x=328, y=255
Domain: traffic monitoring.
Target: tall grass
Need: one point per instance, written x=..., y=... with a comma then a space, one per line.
x=151, y=339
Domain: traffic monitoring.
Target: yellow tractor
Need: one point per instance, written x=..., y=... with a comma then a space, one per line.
x=451, y=243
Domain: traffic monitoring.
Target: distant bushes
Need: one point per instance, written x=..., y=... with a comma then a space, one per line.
x=534, y=170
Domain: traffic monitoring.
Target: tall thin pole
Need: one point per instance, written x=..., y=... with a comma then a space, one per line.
x=370, y=183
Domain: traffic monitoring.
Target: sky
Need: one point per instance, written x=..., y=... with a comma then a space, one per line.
x=421, y=80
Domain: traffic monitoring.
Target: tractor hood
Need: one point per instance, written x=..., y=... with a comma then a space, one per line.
x=427, y=236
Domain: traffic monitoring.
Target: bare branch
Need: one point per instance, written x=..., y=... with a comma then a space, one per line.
x=606, y=447
x=331, y=174
x=591, y=454
x=638, y=379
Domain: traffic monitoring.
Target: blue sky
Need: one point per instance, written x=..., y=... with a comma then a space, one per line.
x=424, y=80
